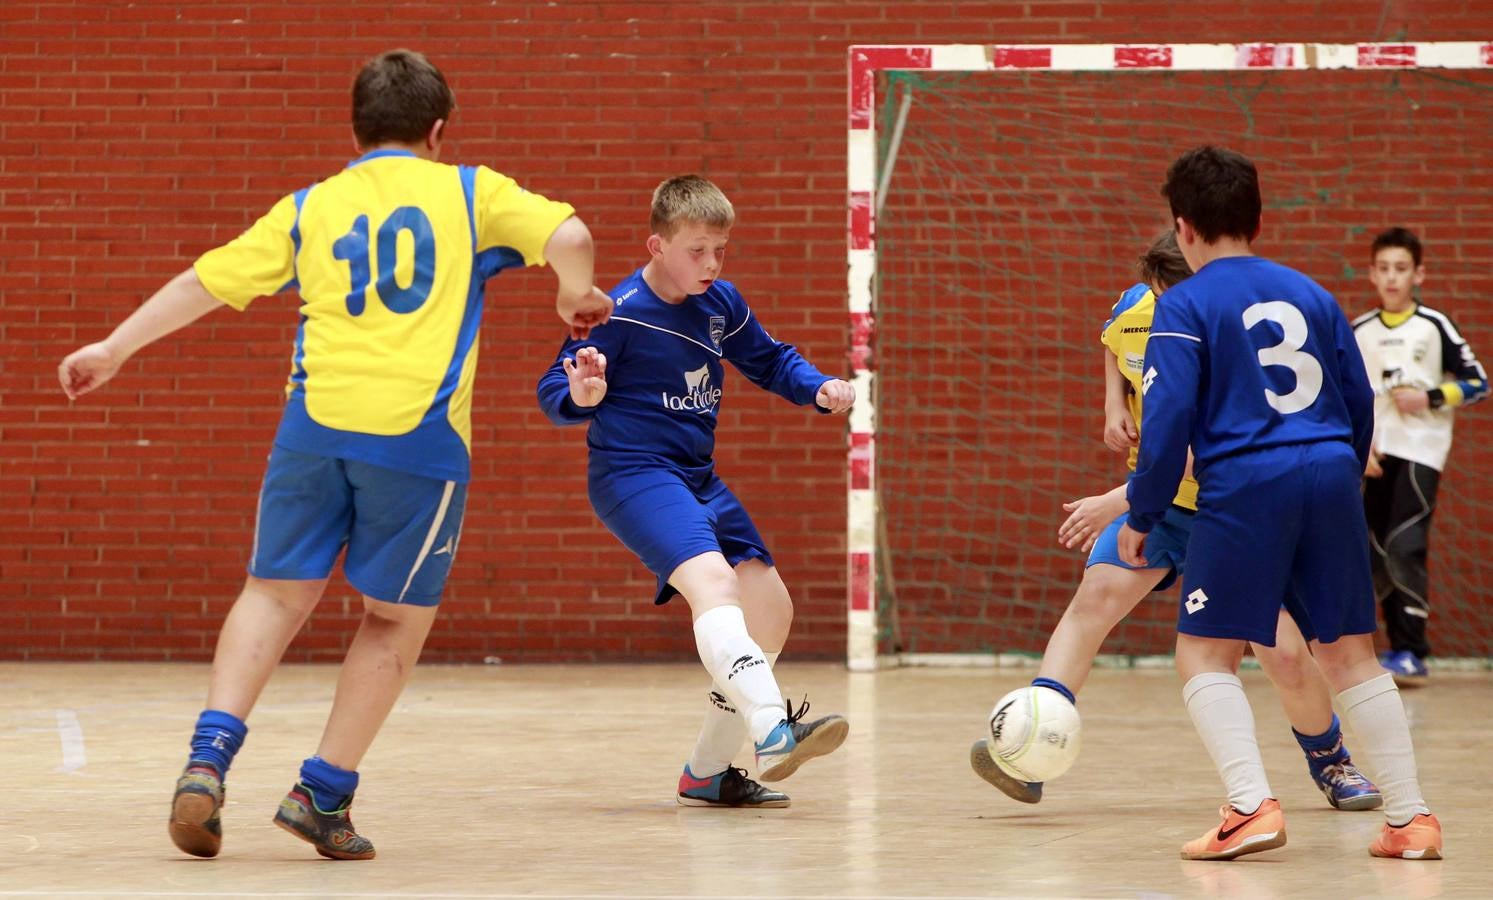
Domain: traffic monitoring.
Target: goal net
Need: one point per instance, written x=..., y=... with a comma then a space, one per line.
x=1009, y=207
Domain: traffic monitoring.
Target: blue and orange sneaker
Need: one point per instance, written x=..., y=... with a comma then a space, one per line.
x=331, y=833
x=196, y=824
x=729, y=788
x=1345, y=787
x=793, y=743
x=1408, y=669
x=987, y=768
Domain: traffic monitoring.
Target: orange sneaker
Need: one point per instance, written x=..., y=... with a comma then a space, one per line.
x=1263, y=829
x=1420, y=838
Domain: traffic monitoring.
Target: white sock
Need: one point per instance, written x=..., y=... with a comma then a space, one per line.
x=1224, y=720
x=739, y=667
x=721, y=733
x=1381, y=735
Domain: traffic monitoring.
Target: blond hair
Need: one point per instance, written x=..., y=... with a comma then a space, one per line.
x=688, y=198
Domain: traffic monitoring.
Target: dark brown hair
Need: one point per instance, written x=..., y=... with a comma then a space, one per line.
x=397, y=97
x=1217, y=191
x=1163, y=265
x=1397, y=237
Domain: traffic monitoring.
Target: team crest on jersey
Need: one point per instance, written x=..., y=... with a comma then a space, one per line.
x=717, y=330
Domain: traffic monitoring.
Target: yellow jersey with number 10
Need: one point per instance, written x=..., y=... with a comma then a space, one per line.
x=1125, y=334
x=390, y=257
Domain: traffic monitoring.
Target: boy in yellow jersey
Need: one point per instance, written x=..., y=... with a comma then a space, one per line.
x=390, y=257
x=1111, y=588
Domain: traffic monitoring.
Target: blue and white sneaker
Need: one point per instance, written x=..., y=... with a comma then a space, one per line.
x=1408, y=669
x=1347, y=788
x=729, y=788
x=793, y=743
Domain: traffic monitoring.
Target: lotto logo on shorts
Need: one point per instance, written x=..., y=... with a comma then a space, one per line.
x=1196, y=601
x=1145, y=384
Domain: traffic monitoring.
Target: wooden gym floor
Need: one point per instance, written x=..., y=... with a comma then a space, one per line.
x=558, y=781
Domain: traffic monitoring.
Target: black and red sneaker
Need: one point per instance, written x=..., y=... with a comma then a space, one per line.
x=729, y=788
x=331, y=833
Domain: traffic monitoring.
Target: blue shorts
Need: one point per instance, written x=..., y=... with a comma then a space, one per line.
x=1165, y=547
x=669, y=521
x=400, y=530
x=1280, y=524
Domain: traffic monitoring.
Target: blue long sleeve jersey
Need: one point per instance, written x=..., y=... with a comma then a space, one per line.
x=1246, y=354
x=664, y=376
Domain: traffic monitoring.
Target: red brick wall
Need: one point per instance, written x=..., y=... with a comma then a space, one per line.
x=133, y=137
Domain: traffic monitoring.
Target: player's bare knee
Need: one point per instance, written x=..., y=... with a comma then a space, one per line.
x=396, y=616
x=707, y=591
x=769, y=617
x=1286, y=666
x=1101, y=601
x=293, y=596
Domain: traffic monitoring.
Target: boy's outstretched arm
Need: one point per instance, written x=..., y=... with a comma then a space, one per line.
x=778, y=367
x=182, y=301
x=571, y=253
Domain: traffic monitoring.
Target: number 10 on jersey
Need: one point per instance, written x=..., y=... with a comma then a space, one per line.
x=352, y=248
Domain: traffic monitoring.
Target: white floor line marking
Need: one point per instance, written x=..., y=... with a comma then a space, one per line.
x=70, y=730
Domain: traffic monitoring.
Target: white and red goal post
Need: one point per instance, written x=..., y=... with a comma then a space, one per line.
x=865, y=62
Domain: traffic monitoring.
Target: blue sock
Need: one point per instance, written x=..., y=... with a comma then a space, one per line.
x=1060, y=688
x=217, y=739
x=330, y=786
x=1322, y=750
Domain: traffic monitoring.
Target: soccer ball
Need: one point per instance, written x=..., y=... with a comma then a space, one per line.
x=1034, y=734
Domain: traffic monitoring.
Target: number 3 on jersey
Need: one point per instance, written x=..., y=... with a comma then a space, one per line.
x=353, y=249
x=1288, y=355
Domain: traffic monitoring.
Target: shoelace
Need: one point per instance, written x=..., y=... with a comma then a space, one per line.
x=803, y=709
x=1340, y=773
x=733, y=773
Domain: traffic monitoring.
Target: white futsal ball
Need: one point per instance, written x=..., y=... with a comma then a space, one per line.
x=1034, y=733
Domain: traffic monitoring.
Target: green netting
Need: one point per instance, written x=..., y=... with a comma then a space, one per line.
x=1014, y=213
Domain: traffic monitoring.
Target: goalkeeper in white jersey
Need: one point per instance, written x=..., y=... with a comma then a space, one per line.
x=1421, y=369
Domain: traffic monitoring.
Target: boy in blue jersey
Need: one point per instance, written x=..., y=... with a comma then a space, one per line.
x=1255, y=366
x=1111, y=588
x=372, y=454
x=649, y=385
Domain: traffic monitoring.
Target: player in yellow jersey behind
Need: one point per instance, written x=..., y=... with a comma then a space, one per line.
x=390, y=257
x=1111, y=588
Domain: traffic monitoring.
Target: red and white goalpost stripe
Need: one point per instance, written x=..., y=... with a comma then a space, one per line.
x=867, y=60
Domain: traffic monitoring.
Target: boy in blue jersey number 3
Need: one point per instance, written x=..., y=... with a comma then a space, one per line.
x=1255, y=366
x=649, y=385
x=373, y=450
